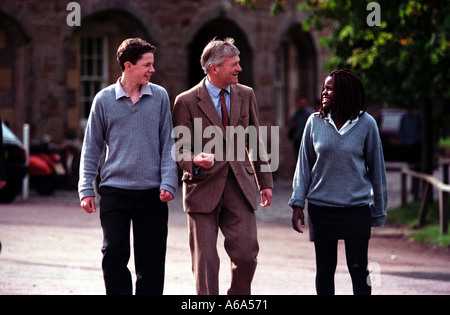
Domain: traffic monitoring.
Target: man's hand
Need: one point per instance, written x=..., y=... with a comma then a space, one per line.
x=266, y=197
x=298, y=215
x=165, y=196
x=88, y=204
x=205, y=160
x=2, y=184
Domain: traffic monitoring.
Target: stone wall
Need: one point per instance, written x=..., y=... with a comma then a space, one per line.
x=41, y=73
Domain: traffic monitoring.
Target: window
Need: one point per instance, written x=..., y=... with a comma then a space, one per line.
x=94, y=70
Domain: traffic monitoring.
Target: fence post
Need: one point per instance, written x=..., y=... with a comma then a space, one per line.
x=443, y=201
x=26, y=144
x=443, y=211
x=424, y=204
x=445, y=172
x=404, y=189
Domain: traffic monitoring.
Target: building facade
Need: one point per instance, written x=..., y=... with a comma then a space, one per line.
x=51, y=69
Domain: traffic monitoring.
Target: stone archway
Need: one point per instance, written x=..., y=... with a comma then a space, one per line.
x=92, y=63
x=296, y=72
x=14, y=73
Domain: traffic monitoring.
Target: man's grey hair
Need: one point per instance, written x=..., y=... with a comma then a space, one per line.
x=216, y=51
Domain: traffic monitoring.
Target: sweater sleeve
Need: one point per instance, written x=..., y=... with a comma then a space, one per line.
x=93, y=145
x=169, y=169
x=305, y=162
x=377, y=175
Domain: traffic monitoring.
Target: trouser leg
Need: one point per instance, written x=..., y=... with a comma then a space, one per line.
x=237, y=222
x=326, y=261
x=203, y=229
x=150, y=218
x=238, y=225
x=115, y=221
x=356, y=250
x=118, y=208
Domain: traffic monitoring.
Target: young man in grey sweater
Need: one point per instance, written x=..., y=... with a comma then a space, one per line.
x=132, y=120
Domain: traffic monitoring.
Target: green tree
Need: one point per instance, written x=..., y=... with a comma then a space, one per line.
x=404, y=60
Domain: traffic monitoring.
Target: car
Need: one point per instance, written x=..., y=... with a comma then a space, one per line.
x=389, y=120
x=16, y=165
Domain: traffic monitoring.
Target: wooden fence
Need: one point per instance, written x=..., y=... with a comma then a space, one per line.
x=429, y=182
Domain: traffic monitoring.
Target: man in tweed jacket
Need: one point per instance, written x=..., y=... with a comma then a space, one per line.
x=220, y=191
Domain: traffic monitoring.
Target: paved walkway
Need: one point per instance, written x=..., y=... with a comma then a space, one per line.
x=51, y=246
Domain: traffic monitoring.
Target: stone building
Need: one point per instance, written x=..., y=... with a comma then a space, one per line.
x=50, y=70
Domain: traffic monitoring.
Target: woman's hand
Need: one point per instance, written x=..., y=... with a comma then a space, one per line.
x=297, y=215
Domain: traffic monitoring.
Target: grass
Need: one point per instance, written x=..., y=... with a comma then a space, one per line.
x=430, y=232
x=444, y=142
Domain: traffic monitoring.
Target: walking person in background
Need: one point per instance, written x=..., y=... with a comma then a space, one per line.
x=410, y=133
x=298, y=122
x=219, y=192
x=341, y=172
x=132, y=119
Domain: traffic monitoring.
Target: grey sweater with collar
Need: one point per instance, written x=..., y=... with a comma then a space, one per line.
x=337, y=170
x=137, y=139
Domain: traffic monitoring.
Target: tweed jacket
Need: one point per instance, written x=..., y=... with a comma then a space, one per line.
x=195, y=111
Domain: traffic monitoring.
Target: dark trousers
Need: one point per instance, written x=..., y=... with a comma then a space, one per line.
x=118, y=208
x=326, y=260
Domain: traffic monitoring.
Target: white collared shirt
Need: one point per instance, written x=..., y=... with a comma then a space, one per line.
x=346, y=127
x=120, y=93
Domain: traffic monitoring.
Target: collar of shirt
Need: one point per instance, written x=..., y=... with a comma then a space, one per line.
x=346, y=127
x=120, y=92
x=214, y=92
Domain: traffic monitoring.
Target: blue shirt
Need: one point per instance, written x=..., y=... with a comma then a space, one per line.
x=214, y=92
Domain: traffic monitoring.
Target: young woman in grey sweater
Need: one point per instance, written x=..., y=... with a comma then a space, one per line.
x=341, y=172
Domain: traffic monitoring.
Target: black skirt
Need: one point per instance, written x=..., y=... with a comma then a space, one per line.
x=334, y=223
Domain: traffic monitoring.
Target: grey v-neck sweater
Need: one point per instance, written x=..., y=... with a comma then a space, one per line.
x=337, y=170
x=138, y=142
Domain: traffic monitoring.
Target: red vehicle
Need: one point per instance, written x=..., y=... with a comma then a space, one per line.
x=16, y=165
x=46, y=169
